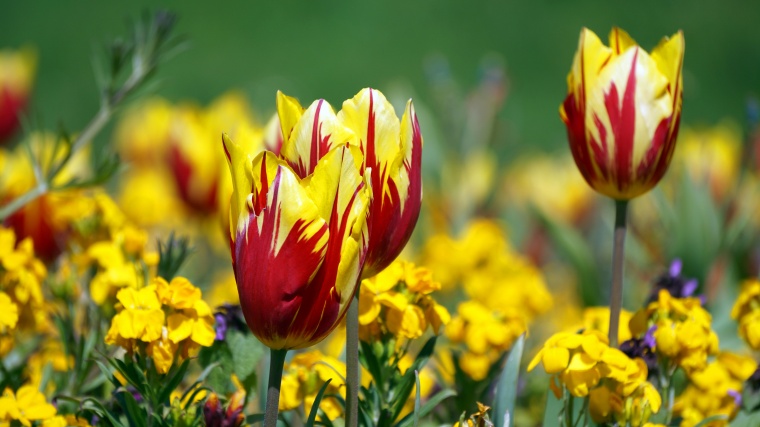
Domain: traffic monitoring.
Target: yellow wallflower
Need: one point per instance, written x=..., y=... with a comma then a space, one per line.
x=682, y=330
x=305, y=374
x=171, y=318
x=140, y=317
x=21, y=277
x=746, y=311
x=65, y=421
x=397, y=301
x=25, y=406
x=50, y=353
x=598, y=319
x=552, y=185
x=486, y=334
x=483, y=262
x=714, y=390
x=586, y=366
x=8, y=313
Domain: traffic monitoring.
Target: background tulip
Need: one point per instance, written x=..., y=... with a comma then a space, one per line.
x=17, y=70
x=297, y=244
x=623, y=110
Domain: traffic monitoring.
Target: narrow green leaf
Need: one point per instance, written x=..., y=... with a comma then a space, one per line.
x=428, y=407
x=506, y=389
x=173, y=382
x=417, y=399
x=315, y=405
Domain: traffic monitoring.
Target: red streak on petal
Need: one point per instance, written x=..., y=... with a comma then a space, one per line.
x=183, y=171
x=11, y=105
x=623, y=124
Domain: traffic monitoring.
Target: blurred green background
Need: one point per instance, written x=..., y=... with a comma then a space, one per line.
x=331, y=49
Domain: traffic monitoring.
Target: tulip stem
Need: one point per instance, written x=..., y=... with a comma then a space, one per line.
x=352, y=362
x=276, y=363
x=616, y=293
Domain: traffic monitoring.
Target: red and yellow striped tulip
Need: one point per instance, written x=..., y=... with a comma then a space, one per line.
x=623, y=110
x=298, y=234
x=392, y=162
x=16, y=74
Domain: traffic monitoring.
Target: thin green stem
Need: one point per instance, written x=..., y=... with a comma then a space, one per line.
x=276, y=363
x=569, y=410
x=616, y=293
x=352, y=362
x=19, y=202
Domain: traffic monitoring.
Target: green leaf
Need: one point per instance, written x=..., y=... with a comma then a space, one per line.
x=573, y=247
x=246, y=351
x=369, y=362
x=315, y=405
x=254, y=418
x=744, y=419
x=506, y=389
x=174, y=380
x=404, y=389
x=416, y=399
x=136, y=415
x=428, y=407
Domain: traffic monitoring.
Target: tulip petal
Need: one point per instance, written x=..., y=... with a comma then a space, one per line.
x=289, y=112
x=393, y=158
x=315, y=133
x=276, y=254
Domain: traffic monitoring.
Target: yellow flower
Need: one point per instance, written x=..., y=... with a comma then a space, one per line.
x=398, y=301
x=8, y=313
x=142, y=134
x=25, y=406
x=195, y=320
x=305, y=375
x=714, y=390
x=711, y=157
x=162, y=352
x=598, y=319
x=140, y=317
x=682, y=330
x=746, y=311
x=65, y=421
x=486, y=333
x=552, y=185
x=21, y=277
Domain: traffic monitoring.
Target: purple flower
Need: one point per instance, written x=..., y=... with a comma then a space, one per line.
x=643, y=348
x=737, y=397
x=228, y=316
x=673, y=282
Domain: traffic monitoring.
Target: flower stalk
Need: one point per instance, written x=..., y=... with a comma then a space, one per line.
x=276, y=364
x=352, y=362
x=618, y=249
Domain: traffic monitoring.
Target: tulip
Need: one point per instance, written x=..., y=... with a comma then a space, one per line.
x=393, y=162
x=622, y=114
x=298, y=245
x=16, y=74
x=297, y=234
x=622, y=111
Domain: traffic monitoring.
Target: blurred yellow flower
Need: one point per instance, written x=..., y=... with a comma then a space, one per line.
x=711, y=157
x=142, y=134
x=714, y=390
x=746, y=311
x=8, y=313
x=682, y=330
x=486, y=334
x=553, y=185
x=25, y=406
x=21, y=277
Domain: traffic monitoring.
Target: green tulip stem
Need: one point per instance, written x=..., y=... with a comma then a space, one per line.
x=276, y=363
x=352, y=362
x=616, y=293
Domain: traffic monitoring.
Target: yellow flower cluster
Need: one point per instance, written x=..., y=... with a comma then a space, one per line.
x=489, y=270
x=178, y=165
x=586, y=365
x=22, y=305
x=746, y=311
x=598, y=319
x=104, y=239
x=25, y=406
x=714, y=390
x=162, y=319
x=553, y=185
x=305, y=375
x=478, y=419
x=397, y=301
x=682, y=330
x=486, y=333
